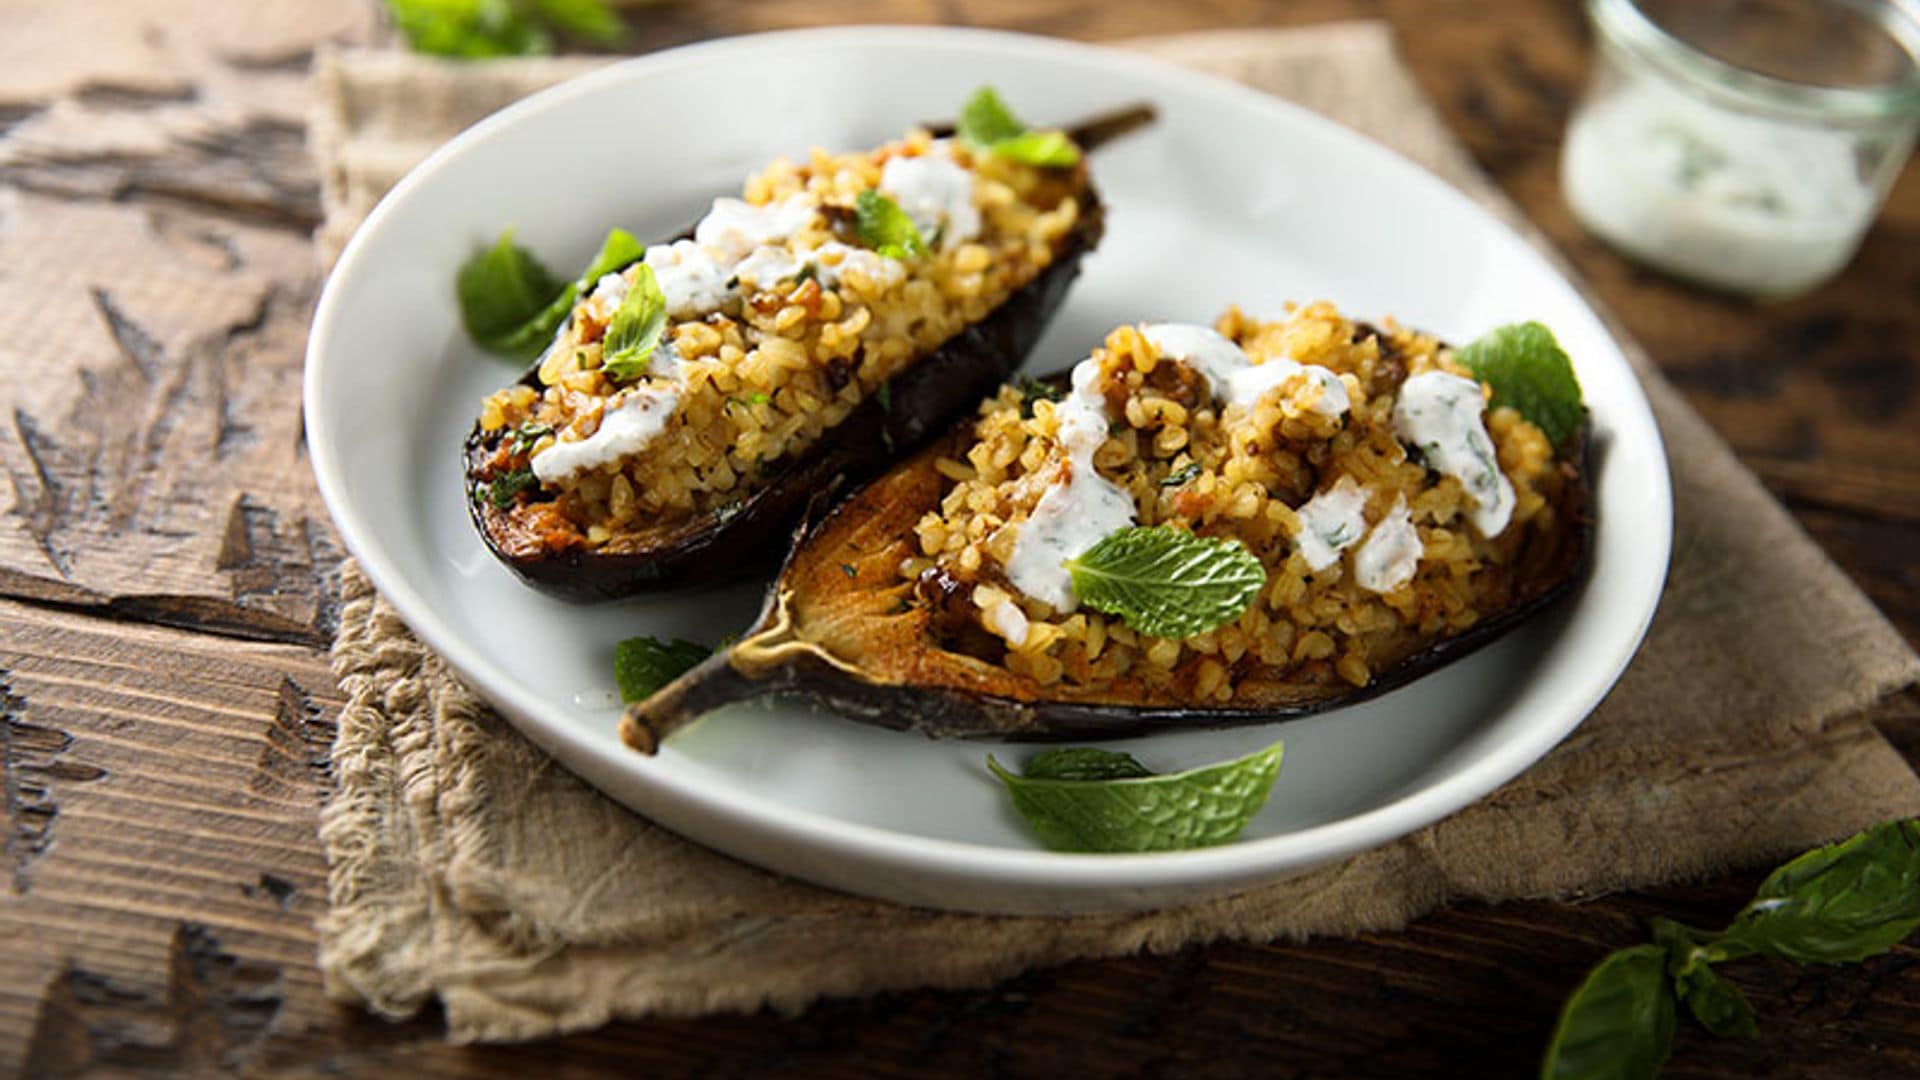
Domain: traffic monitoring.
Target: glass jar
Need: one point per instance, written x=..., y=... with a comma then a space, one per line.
x=1743, y=144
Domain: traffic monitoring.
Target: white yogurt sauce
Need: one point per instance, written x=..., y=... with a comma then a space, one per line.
x=1742, y=202
x=1331, y=522
x=1232, y=377
x=733, y=228
x=1443, y=417
x=693, y=280
x=834, y=258
x=1007, y=620
x=767, y=266
x=1077, y=514
x=1391, y=554
x=934, y=191
x=631, y=421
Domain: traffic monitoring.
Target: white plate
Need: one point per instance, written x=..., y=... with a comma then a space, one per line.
x=1232, y=197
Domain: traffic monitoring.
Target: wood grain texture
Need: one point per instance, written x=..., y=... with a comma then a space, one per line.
x=165, y=570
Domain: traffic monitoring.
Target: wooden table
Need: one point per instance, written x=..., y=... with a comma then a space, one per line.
x=167, y=576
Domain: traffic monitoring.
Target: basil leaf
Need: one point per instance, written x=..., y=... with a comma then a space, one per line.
x=589, y=19
x=1197, y=808
x=1619, y=1024
x=1043, y=149
x=642, y=665
x=985, y=119
x=1166, y=582
x=1843, y=902
x=500, y=290
x=1528, y=370
x=884, y=227
x=633, y=333
x=987, y=123
x=1717, y=1004
x=469, y=29
x=1084, y=763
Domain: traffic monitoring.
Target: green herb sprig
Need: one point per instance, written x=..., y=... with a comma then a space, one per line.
x=989, y=125
x=1837, y=904
x=476, y=29
x=1529, y=371
x=642, y=665
x=511, y=304
x=1088, y=799
x=1164, y=581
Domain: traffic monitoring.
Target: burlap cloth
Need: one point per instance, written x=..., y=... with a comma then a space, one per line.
x=467, y=865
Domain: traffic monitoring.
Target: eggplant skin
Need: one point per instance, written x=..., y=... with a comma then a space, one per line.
x=748, y=536
x=840, y=627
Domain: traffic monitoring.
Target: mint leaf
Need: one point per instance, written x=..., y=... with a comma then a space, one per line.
x=987, y=123
x=1042, y=149
x=1166, y=582
x=510, y=302
x=1084, y=763
x=618, y=250
x=500, y=290
x=1197, y=808
x=1619, y=1024
x=477, y=29
x=1843, y=902
x=468, y=29
x=884, y=227
x=642, y=665
x=589, y=19
x=1528, y=370
x=626, y=353
x=985, y=119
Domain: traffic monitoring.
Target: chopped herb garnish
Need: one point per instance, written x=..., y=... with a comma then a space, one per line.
x=807, y=272
x=505, y=486
x=884, y=396
x=528, y=433
x=884, y=227
x=1032, y=390
x=1181, y=475
x=635, y=329
x=642, y=665
x=759, y=397
x=988, y=124
x=1087, y=799
x=847, y=569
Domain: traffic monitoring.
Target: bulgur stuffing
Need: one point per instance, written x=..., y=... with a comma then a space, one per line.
x=1355, y=463
x=780, y=322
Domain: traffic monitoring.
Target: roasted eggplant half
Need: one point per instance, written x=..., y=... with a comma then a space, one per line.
x=797, y=340
x=1197, y=527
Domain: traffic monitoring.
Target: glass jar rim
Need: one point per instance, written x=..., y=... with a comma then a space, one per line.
x=1623, y=23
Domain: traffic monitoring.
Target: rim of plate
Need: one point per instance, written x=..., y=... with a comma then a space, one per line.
x=1240, y=860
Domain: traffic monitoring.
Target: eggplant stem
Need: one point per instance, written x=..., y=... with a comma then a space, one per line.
x=1096, y=131
x=1093, y=132
x=737, y=674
